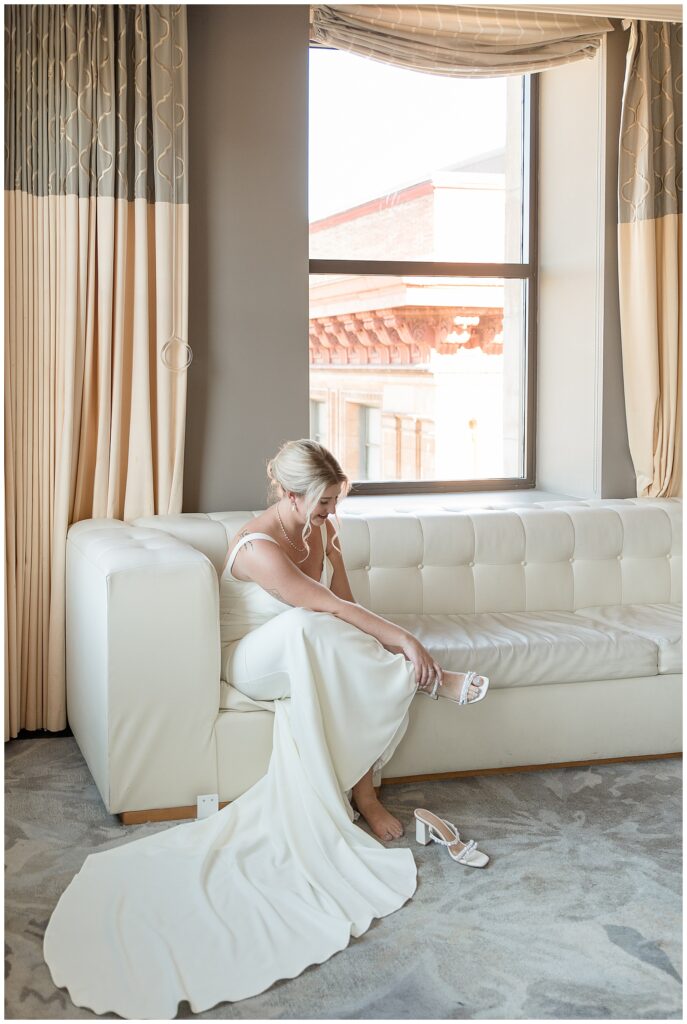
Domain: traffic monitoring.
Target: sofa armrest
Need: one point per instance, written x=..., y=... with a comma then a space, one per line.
x=143, y=663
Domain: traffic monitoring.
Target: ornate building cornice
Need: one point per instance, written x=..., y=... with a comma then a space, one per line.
x=403, y=336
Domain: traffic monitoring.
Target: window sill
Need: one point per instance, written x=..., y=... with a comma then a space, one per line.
x=454, y=501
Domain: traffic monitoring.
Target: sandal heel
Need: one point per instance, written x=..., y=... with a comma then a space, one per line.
x=422, y=832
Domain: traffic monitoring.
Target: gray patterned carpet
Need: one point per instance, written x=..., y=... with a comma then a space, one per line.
x=577, y=916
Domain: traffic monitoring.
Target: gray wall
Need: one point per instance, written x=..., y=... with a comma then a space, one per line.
x=248, y=308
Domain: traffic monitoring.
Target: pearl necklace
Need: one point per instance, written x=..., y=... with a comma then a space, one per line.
x=286, y=534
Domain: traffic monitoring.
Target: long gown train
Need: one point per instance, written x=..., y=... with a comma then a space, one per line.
x=221, y=908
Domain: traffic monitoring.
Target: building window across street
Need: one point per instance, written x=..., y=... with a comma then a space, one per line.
x=422, y=279
x=318, y=421
x=370, y=428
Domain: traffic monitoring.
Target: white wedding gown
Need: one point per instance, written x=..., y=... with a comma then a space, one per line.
x=221, y=908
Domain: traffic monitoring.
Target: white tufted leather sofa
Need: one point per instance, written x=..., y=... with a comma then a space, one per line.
x=571, y=608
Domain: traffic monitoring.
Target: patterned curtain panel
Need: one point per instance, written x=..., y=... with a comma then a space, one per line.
x=650, y=255
x=459, y=41
x=96, y=243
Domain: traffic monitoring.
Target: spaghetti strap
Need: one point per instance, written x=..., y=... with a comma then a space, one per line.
x=237, y=547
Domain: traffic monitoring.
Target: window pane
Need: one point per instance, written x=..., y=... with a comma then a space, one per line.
x=423, y=378
x=369, y=442
x=411, y=166
x=318, y=421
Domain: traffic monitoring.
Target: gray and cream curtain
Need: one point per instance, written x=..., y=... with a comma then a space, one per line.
x=456, y=40
x=96, y=242
x=650, y=255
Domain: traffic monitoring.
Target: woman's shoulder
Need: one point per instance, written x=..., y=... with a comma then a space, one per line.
x=255, y=525
x=259, y=524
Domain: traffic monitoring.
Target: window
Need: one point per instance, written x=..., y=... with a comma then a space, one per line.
x=318, y=420
x=422, y=282
x=370, y=433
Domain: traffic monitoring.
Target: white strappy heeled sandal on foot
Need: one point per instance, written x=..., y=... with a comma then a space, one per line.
x=430, y=828
x=471, y=679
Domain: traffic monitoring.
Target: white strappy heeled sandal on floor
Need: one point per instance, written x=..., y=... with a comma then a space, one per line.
x=430, y=828
x=471, y=679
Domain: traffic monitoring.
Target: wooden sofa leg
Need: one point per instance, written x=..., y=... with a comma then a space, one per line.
x=161, y=814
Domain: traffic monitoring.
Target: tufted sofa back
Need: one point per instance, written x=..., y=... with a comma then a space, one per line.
x=547, y=556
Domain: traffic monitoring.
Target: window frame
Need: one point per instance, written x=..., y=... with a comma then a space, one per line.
x=525, y=271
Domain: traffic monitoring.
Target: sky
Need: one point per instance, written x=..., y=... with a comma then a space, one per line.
x=375, y=128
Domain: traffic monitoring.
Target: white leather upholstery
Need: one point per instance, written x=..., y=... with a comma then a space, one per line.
x=142, y=663
x=522, y=560
x=532, y=648
x=527, y=725
x=526, y=559
x=571, y=608
x=659, y=623
x=542, y=725
x=203, y=532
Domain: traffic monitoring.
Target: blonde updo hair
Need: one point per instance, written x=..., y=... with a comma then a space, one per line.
x=306, y=468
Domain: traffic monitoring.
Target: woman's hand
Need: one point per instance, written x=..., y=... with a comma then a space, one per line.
x=426, y=668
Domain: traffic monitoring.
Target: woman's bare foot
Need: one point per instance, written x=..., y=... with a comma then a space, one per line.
x=382, y=823
x=452, y=684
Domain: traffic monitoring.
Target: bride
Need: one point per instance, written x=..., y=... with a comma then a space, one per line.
x=285, y=551
x=220, y=908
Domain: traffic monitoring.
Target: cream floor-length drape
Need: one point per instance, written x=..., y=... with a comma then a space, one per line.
x=96, y=240
x=650, y=255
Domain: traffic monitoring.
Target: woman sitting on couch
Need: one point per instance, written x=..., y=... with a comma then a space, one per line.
x=289, y=557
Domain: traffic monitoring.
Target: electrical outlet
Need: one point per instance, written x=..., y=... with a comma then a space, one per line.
x=207, y=805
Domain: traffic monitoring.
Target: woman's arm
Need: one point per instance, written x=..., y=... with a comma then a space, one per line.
x=273, y=570
x=266, y=564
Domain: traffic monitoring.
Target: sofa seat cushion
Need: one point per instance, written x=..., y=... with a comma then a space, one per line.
x=527, y=648
x=660, y=623
x=231, y=699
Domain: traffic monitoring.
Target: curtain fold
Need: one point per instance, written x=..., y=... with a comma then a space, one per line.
x=459, y=41
x=650, y=255
x=96, y=289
